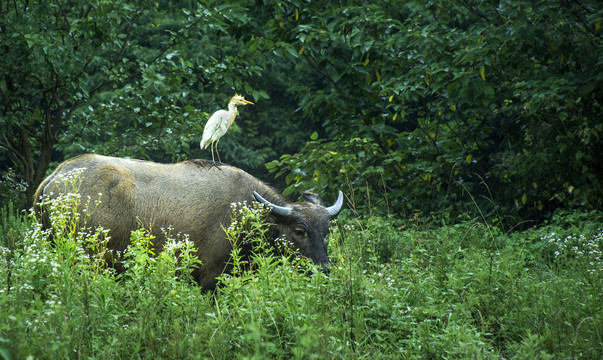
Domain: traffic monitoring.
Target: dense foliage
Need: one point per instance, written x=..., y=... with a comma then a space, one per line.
x=411, y=291
x=420, y=102
x=429, y=101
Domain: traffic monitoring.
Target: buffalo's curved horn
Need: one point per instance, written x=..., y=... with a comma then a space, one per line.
x=279, y=210
x=334, y=209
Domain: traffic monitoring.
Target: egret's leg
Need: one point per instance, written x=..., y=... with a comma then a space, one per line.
x=212, y=152
x=217, y=152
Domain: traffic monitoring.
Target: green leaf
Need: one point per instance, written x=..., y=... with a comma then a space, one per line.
x=272, y=165
x=489, y=92
x=288, y=49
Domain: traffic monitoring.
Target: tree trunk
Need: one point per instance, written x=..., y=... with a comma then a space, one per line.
x=33, y=171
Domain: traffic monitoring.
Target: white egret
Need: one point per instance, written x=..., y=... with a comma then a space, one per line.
x=218, y=124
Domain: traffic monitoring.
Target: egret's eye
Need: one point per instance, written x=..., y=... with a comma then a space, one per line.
x=299, y=232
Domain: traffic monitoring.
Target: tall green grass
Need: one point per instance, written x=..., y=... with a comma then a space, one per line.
x=396, y=289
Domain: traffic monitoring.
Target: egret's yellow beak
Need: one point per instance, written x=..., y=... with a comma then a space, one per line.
x=248, y=102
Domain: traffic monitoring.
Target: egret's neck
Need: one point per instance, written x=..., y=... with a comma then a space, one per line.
x=232, y=107
x=232, y=113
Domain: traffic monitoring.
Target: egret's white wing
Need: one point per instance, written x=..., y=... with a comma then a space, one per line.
x=213, y=128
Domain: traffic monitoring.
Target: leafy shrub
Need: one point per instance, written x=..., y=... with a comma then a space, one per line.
x=11, y=189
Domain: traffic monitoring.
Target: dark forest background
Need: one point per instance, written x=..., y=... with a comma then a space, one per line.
x=453, y=108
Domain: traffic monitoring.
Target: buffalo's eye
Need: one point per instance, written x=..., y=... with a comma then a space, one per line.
x=300, y=232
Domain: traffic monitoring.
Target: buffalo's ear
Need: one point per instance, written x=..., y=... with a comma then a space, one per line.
x=311, y=198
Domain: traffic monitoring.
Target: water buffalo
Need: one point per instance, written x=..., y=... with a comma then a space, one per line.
x=193, y=198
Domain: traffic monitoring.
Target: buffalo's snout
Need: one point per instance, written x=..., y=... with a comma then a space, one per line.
x=324, y=264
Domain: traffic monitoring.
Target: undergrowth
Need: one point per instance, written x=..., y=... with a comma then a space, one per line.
x=395, y=290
